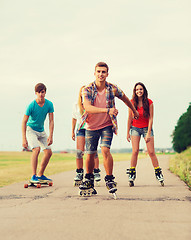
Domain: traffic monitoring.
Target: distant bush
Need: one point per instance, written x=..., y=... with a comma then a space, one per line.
x=180, y=164
x=182, y=132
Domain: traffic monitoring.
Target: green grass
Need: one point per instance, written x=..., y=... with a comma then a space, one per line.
x=16, y=166
x=180, y=164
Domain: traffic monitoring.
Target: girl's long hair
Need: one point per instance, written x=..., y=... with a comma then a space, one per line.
x=80, y=104
x=145, y=100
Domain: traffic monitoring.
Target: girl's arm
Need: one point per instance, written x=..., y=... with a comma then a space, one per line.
x=148, y=136
x=51, y=128
x=24, y=126
x=73, y=128
x=129, y=122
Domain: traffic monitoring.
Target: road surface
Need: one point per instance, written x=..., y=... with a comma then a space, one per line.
x=146, y=211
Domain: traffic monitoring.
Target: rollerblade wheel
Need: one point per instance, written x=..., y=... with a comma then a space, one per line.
x=131, y=184
x=162, y=184
x=26, y=186
x=80, y=193
x=115, y=196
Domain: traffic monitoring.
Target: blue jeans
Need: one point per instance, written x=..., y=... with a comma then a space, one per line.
x=92, y=139
x=134, y=131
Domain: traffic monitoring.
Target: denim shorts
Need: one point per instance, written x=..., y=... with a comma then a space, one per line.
x=134, y=131
x=80, y=133
x=92, y=139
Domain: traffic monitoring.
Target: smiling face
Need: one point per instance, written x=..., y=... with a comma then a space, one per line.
x=139, y=91
x=101, y=74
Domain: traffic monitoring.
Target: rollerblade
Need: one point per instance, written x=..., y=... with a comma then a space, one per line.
x=159, y=176
x=97, y=176
x=132, y=176
x=87, y=187
x=79, y=177
x=111, y=185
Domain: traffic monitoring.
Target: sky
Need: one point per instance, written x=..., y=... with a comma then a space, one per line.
x=59, y=43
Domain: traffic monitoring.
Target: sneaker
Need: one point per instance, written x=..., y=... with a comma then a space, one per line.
x=44, y=179
x=34, y=179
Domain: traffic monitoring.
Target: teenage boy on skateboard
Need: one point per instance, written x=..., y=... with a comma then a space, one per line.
x=34, y=135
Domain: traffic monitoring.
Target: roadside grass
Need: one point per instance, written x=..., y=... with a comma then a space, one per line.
x=16, y=166
x=180, y=164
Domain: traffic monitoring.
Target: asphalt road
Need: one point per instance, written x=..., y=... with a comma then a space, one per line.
x=146, y=211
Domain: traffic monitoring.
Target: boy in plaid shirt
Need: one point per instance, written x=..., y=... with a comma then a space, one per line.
x=101, y=122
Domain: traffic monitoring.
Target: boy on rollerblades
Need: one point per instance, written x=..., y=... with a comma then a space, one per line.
x=100, y=117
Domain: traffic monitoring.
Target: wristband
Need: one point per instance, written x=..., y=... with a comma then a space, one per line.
x=108, y=110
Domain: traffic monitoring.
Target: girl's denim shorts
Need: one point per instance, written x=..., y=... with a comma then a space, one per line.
x=134, y=131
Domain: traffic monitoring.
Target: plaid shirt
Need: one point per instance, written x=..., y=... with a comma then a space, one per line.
x=112, y=91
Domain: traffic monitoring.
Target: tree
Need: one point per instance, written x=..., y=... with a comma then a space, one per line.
x=182, y=132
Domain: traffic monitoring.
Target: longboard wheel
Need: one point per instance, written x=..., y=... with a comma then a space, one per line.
x=26, y=185
x=50, y=184
x=38, y=185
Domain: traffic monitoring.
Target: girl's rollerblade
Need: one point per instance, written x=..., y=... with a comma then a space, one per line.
x=132, y=176
x=159, y=176
x=111, y=185
x=97, y=176
x=79, y=177
x=87, y=187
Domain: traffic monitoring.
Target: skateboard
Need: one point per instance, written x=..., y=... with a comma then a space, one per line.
x=37, y=185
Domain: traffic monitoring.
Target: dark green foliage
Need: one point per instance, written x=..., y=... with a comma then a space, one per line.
x=182, y=132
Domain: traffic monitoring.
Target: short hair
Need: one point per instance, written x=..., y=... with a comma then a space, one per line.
x=39, y=87
x=102, y=64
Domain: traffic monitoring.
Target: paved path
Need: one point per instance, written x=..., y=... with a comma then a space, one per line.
x=146, y=211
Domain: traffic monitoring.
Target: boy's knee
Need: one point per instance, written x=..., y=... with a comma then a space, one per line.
x=105, y=151
x=36, y=150
x=48, y=152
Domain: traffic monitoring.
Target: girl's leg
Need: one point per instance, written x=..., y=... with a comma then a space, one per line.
x=80, y=145
x=135, y=150
x=151, y=152
x=34, y=159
